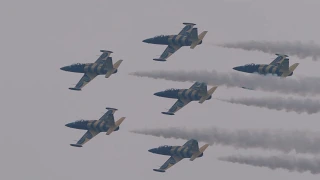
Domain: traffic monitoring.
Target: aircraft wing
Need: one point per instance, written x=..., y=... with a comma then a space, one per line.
x=86, y=78
x=169, y=163
x=279, y=60
x=180, y=103
x=202, y=87
x=171, y=49
x=85, y=138
x=104, y=56
x=192, y=144
x=108, y=117
x=187, y=29
x=198, y=86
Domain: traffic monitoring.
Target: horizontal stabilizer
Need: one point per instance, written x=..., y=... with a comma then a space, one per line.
x=291, y=69
x=109, y=108
x=107, y=51
x=159, y=170
x=76, y=145
x=186, y=23
x=156, y=59
x=113, y=69
x=209, y=93
x=75, y=89
x=201, y=150
x=167, y=113
x=115, y=126
x=200, y=37
x=117, y=64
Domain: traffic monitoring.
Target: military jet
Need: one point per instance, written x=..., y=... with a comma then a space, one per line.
x=104, y=124
x=197, y=92
x=279, y=66
x=188, y=36
x=102, y=66
x=189, y=150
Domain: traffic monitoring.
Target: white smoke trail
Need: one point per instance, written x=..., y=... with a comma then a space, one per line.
x=285, y=141
x=302, y=50
x=289, y=162
x=301, y=86
x=278, y=103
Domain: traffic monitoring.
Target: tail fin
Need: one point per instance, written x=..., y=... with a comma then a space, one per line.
x=112, y=68
x=198, y=40
x=291, y=69
x=116, y=124
x=209, y=93
x=201, y=150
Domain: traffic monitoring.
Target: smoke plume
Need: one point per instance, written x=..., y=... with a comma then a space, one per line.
x=302, y=50
x=281, y=140
x=278, y=103
x=301, y=86
x=289, y=162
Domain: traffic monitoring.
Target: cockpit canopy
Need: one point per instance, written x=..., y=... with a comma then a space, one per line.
x=165, y=146
x=77, y=64
x=171, y=89
x=80, y=121
x=160, y=38
x=252, y=64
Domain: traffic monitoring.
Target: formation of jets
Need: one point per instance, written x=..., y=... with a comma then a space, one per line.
x=188, y=36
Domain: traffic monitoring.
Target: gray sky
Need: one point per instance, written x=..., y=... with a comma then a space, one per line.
x=39, y=37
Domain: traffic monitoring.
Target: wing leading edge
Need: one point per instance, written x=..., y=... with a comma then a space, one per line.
x=169, y=163
x=86, y=78
x=104, y=56
x=180, y=103
x=171, y=49
x=85, y=138
x=280, y=59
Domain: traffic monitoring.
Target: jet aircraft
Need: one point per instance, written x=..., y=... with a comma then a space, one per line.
x=104, y=124
x=189, y=150
x=279, y=66
x=102, y=66
x=188, y=36
x=197, y=92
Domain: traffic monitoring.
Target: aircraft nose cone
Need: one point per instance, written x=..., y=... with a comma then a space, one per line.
x=157, y=94
x=68, y=125
x=238, y=68
x=153, y=150
x=147, y=40
x=160, y=94
x=65, y=68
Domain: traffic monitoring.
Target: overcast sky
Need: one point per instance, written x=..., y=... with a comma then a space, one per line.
x=38, y=37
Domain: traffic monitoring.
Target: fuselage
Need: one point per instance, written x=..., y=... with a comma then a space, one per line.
x=190, y=94
x=178, y=40
x=95, y=125
x=263, y=69
x=97, y=68
x=180, y=151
